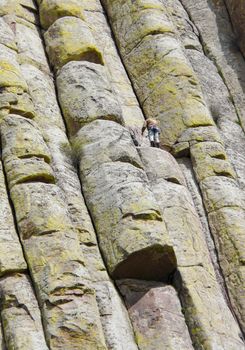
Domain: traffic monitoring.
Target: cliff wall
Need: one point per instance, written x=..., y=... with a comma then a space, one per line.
x=107, y=243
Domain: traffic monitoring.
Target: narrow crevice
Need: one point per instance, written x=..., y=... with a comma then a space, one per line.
x=11, y=205
x=124, y=303
x=140, y=41
x=216, y=264
x=120, y=57
x=178, y=285
x=75, y=165
x=3, y=333
x=76, y=168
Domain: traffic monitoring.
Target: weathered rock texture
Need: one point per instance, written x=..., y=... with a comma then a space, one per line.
x=237, y=13
x=105, y=242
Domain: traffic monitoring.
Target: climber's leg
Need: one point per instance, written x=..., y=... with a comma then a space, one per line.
x=151, y=137
x=156, y=139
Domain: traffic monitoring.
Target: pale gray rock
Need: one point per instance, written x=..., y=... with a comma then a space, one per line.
x=9, y=54
x=7, y=35
x=54, y=256
x=237, y=13
x=27, y=170
x=167, y=170
x=11, y=255
x=131, y=112
x=28, y=199
x=30, y=47
x=129, y=231
x=85, y=94
x=42, y=91
x=158, y=68
x=193, y=187
x=67, y=179
x=20, y=314
x=219, y=42
x=114, y=318
x=196, y=283
x=17, y=102
x=210, y=159
x=71, y=39
x=24, y=9
x=219, y=192
x=21, y=138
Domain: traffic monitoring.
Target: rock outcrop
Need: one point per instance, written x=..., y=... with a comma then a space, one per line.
x=107, y=243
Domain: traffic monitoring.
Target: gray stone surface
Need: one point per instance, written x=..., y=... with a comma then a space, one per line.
x=200, y=293
x=20, y=314
x=129, y=230
x=85, y=94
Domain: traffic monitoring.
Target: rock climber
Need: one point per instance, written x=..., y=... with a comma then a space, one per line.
x=153, y=131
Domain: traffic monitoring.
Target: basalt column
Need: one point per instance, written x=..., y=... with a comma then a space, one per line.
x=168, y=90
x=93, y=98
x=195, y=280
x=105, y=242
x=67, y=300
x=116, y=212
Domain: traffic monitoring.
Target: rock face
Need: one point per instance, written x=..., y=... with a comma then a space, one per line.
x=106, y=242
x=237, y=13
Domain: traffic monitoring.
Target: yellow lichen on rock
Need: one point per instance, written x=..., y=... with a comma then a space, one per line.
x=210, y=159
x=10, y=75
x=51, y=10
x=163, y=78
x=11, y=255
x=26, y=170
x=21, y=137
x=129, y=230
x=24, y=9
x=86, y=95
x=71, y=39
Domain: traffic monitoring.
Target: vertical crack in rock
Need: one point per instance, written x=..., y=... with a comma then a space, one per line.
x=49, y=120
x=68, y=302
x=2, y=337
x=135, y=198
x=20, y=313
x=85, y=107
x=215, y=92
x=195, y=279
x=169, y=91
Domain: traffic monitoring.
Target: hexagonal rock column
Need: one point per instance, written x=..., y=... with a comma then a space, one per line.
x=201, y=297
x=130, y=232
x=51, y=244
x=20, y=314
x=224, y=203
x=70, y=39
x=220, y=44
x=161, y=75
x=168, y=90
x=113, y=316
x=11, y=256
